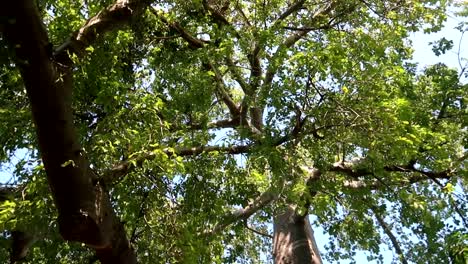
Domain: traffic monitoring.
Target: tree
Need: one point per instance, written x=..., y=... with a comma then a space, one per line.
x=175, y=131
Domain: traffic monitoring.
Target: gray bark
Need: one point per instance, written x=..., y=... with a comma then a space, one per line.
x=294, y=241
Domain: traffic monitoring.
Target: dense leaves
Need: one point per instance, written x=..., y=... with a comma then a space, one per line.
x=197, y=108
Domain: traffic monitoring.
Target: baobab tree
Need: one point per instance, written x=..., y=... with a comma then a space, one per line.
x=182, y=132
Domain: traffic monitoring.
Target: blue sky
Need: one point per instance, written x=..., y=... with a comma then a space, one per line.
x=424, y=56
x=423, y=51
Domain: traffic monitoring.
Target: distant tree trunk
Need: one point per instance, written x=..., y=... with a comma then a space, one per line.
x=294, y=241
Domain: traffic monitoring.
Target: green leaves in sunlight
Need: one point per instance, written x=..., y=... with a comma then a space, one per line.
x=441, y=46
x=206, y=119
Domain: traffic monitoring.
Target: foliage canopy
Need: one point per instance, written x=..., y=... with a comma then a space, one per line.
x=196, y=109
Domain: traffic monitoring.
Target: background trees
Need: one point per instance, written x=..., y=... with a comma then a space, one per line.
x=199, y=124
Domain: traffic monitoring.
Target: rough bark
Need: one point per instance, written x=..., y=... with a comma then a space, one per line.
x=85, y=212
x=294, y=241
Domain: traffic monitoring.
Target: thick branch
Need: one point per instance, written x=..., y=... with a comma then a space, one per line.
x=124, y=167
x=291, y=9
x=237, y=75
x=111, y=18
x=250, y=98
x=218, y=15
x=243, y=214
x=255, y=68
x=356, y=174
x=85, y=212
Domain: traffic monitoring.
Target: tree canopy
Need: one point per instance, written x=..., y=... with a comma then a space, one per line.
x=181, y=131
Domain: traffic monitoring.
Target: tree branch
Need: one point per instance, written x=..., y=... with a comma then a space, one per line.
x=224, y=123
x=258, y=232
x=85, y=212
x=236, y=75
x=291, y=9
x=243, y=214
x=217, y=16
x=194, y=43
x=249, y=97
x=124, y=167
x=111, y=18
x=292, y=39
x=233, y=108
x=297, y=130
x=246, y=19
x=355, y=173
x=387, y=230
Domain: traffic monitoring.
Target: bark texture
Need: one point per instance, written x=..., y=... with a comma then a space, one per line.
x=294, y=241
x=85, y=212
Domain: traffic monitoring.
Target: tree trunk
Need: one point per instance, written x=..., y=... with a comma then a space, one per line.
x=85, y=212
x=294, y=241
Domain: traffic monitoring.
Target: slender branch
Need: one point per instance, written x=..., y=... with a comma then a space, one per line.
x=218, y=16
x=356, y=182
x=387, y=230
x=233, y=108
x=350, y=169
x=215, y=14
x=298, y=128
x=458, y=211
x=258, y=232
x=140, y=215
x=124, y=167
x=327, y=26
x=462, y=68
x=292, y=39
x=322, y=12
x=194, y=43
x=246, y=19
x=224, y=123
